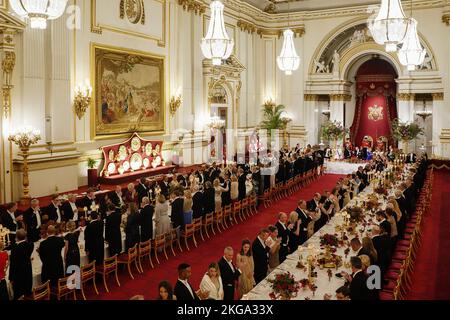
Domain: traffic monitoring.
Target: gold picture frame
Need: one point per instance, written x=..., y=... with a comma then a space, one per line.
x=128, y=92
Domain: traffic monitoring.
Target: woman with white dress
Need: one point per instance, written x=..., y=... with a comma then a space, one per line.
x=218, y=194
x=211, y=283
x=162, y=220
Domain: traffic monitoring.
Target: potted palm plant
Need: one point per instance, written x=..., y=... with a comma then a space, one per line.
x=273, y=118
x=92, y=172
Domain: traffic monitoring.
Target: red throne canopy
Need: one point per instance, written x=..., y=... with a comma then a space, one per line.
x=376, y=92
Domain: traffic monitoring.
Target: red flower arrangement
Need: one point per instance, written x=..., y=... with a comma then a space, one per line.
x=329, y=240
x=285, y=285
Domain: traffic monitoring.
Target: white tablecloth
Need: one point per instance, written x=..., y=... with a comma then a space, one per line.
x=340, y=167
x=324, y=284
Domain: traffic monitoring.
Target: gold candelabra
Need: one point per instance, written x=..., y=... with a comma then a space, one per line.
x=24, y=138
x=4, y=236
x=82, y=99
x=174, y=104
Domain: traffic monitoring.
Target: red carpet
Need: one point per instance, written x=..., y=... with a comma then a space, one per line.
x=209, y=251
x=431, y=278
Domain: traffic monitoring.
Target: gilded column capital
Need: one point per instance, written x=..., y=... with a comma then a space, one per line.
x=310, y=97
x=246, y=26
x=438, y=96
x=193, y=5
x=446, y=19
x=340, y=97
x=405, y=96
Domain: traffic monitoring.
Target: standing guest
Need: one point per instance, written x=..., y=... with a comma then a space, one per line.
x=284, y=231
x=70, y=210
x=183, y=289
x=273, y=242
x=4, y=296
x=32, y=219
x=187, y=207
x=391, y=218
x=146, y=220
x=117, y=197
x=165, y=291
x=50, y=254
x=209, y=198
x=53, y=211
x=113, y=234
x=131, y=195
x=164, y=186
x=212, y=283
x=248, y=185
x=89, y=200
x=71, y=249
x=218, y=195
x=241, y=184
x=230, y=274
x=94, y=241
x=244, y=261
x=234, y=188
x=226, y=196
x=304, y=219
x=142, y=190
x=358, y=281
x=294, y=235
x=382, y=221
x=261, y=255
x=176, y=215
x=132, y=236
x=382, y=244
x=197, y=203
x=10, y=220
x=162, y=219
x=368, y=247
x=20, y=271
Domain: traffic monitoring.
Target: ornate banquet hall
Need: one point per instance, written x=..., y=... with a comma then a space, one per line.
x=224, y=150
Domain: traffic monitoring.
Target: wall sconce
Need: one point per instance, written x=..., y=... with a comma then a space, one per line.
x=82, y=99
x=174, y=104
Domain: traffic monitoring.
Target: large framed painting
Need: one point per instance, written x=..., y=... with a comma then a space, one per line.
x=128, y=92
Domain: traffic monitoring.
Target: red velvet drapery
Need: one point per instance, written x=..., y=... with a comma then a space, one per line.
x=375, y=103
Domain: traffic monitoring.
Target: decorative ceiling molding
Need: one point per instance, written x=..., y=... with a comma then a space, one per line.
x=246, y=26
x=196, y=6
x=7, y=21
x=298, y=32
x=446, y=19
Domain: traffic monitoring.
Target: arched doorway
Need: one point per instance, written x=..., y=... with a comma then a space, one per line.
x=375, y=104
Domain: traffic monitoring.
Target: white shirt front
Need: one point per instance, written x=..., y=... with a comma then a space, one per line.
x=75, y=211
x=58, y=220
x=230, y=263
x=38, y=218
x=13, y=217
x=186, y=283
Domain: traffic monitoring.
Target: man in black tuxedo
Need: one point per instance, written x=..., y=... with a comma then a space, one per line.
x=382, y=243
x=363, y=177
x=283, y=232
x=32, y=219
x=197, y=204
x=142, y=190
x=358, y=285
x=146, y=220
x=261, y=255
x=113, y=234
x=177, y=216
x=117, y=197
x=304, y=218
x=50, y=254
x=208, y=199
x=53, y=210
x=164, y=186
x=313, y=204
x=183, y=289
x=382, y=221
x=20, y=271
x=411, y=157
x=241, y=184
x=70, y=209
x=89, y=200
x=94, y=241
x=10, y=220
x=229, y=274
x=182, y=181
x=359, y=250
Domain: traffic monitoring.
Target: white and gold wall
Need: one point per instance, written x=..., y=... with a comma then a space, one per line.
x=50, y=63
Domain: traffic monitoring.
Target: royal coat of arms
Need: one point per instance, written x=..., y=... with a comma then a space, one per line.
x=375, y=113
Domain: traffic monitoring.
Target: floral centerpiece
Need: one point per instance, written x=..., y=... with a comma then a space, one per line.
x=333, y=130
x=356, y=213
x=329, y=259
x=405, y=131
x=329, y=240
x=381, y=189
x=284, y=286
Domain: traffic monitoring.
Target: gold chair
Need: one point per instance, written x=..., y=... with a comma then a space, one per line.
x=159, y=243
x=62, y=290
x=109, y=266
x=227, y=215
x=88, y=274
x=128, y=258
x=218, y=220
x=208, y=222
x=198, y=227
x=237, y=207
x=244, y=208
x=144, y=250
x=188, y=233
x=41, y=292
x=173, y=239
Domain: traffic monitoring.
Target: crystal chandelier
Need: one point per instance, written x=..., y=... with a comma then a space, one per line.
x=390, y=26
x=217, y=45
x=25, y=137
x=39, y=11
x=412, y=53
x=216, y=123
x=424, y=114
x=288, y=60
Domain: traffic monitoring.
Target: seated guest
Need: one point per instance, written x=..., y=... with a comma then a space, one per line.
x=72, y=250
x=197, y=203
x=212, y=283
x=261, y=255
x=132, y=226
x=358, y=281
x=113, y=234
x=162, y=219
x=176, y=215
x=32, y=219
x=94, y=241
x=230, y=274
x=50, y=254
x=117, y=197
x=53, y=211
x=4, y=296
x=131, y=195
x=183, y=289
x=244, y=261
x=146, y=220
x=165, y=291
x=142, y=190
x=70, y=210
x=20, y=271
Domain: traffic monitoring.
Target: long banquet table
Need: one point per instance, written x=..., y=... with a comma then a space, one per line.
x=324, y=284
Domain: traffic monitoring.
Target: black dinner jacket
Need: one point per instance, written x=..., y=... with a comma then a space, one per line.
x=197, y=205
x=241, y=187
x=30, y=220
x=226, y=273
x=8, y=222
x=51, y=212
x=147, y=222
x=177, y=213
x=358, y=287
x=115, y=198
x=142, y=192
x=182, y=293
x=164, y=188
x=67, y=211
x=20, y=270
x=283, y=233
x=260, y=258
